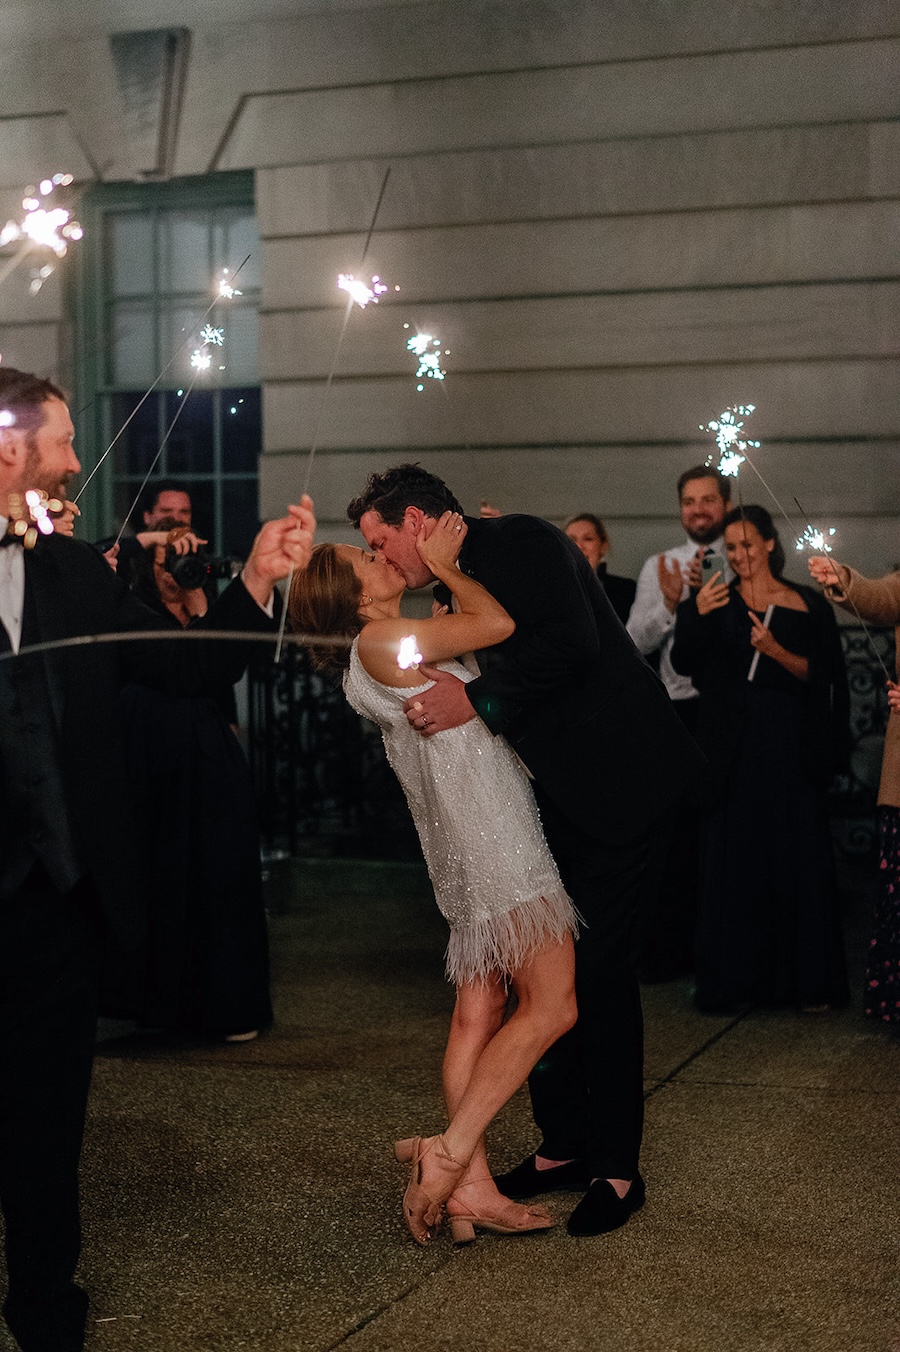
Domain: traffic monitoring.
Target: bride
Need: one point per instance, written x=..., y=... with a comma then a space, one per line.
x=511, y=922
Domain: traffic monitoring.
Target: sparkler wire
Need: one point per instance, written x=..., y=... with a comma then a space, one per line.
x=182, y=345
x=314, y=444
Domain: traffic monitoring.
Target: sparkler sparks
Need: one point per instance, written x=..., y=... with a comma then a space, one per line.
x=52, y=228
x=422, y=344
x=201, y=357
x=409, y=655
x=226, y=290
x=359, y=291
x=728, y=428
x=816, y=540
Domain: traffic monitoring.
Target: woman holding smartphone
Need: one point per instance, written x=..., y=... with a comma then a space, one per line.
x=766, y=657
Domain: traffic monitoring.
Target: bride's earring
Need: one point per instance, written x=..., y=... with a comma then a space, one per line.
x=366, y=600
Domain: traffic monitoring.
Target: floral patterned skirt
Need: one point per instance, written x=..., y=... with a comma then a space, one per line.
x=881, y=998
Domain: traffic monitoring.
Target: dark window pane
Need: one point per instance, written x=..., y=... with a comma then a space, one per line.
x=134, y=451
x=241, y=429
x=240, y=515
x=189, y=449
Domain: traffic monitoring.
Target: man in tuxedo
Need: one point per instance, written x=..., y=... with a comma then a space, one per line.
x=592, y=723
x=70, y=869
x=664, y=582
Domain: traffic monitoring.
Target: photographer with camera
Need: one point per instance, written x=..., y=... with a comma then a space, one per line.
x=208, y=959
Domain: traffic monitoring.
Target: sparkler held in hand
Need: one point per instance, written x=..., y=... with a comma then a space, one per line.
x=827, y=573
x=47, y=224
x=347, y=278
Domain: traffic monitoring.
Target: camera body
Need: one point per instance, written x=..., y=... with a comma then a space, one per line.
x=194, y=570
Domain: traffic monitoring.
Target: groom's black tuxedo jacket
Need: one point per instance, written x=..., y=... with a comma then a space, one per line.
x=71, y=591
x=569, y=690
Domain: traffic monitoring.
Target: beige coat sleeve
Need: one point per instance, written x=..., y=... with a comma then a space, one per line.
x=878, y=602
x=876, y=599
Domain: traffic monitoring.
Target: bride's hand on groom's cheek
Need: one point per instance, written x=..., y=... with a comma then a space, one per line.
x=442, y=545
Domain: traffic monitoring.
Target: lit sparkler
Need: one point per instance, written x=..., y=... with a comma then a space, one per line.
x=732, y=445
x=344, y=284
x=409, y=655
x=359, y=291
x=226, y=290
x=816, y=540
x=423, y=345
x=54, y=228
x=44, y=225
x=201, y=357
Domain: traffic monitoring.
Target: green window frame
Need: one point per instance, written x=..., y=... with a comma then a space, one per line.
x=137, y=297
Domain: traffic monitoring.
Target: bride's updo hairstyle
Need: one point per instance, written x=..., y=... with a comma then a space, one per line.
x=324, y=599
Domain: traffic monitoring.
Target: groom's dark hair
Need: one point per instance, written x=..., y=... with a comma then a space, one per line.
x=393, y=490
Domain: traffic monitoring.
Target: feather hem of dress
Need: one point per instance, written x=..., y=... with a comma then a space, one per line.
x=501, y=945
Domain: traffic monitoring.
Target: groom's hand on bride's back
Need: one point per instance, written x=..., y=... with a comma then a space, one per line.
x=445, y=705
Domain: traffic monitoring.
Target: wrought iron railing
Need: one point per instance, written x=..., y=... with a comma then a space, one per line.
x=323, y=783
x=853, y=794
x=324, y=786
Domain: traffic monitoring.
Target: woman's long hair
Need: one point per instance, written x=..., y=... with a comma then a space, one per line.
x=760, y=518
x=324, y=599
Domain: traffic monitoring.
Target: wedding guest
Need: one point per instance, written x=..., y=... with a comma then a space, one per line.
x=670, y=917
x=588, y=532
x=70, y=868
x=765, y=655
x=877, y=601
x=208, y=954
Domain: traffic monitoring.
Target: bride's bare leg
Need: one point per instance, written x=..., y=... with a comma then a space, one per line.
x=500, y=1061
x=477, y=1017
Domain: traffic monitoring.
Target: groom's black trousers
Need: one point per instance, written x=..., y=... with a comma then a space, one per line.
x=587, y=1091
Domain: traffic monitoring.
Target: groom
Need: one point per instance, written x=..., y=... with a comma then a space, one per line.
x=609, y=760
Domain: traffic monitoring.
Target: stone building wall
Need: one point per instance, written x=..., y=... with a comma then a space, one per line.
x=619, y=217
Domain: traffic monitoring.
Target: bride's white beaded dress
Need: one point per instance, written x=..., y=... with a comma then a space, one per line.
x=494, y=878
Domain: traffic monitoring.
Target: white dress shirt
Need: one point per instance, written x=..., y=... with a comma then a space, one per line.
x=652, y=625
x=12, y=588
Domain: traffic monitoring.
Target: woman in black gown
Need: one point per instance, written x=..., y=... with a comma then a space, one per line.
x=765, y=655
x=208, y=958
